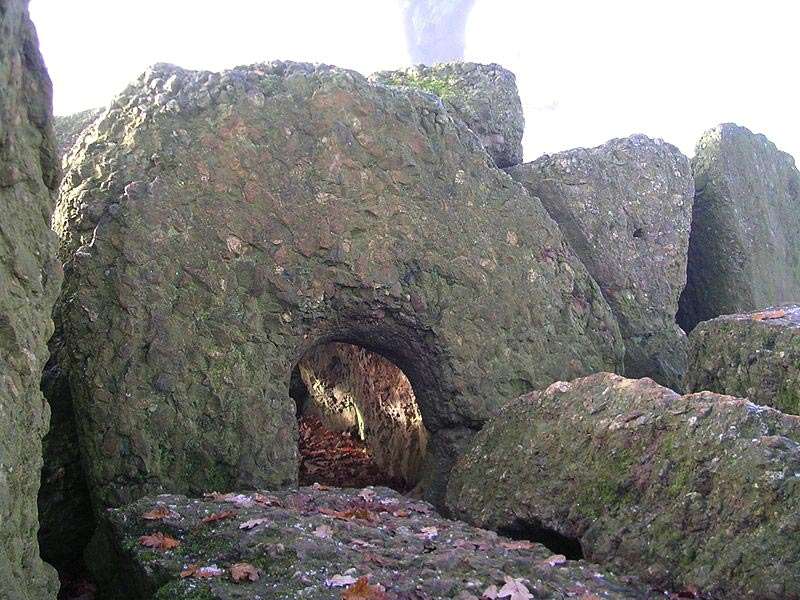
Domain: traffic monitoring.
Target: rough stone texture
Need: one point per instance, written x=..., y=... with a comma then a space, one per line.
x=625, y=207
x=754, y=355
x=68, y=128
x=744, y=250
x=484, y=97
x=435, y=29
x=698, y=490
x=352, y=388
x=66, y=520
x=233, y=221
x=29, y=281
x=399, y=543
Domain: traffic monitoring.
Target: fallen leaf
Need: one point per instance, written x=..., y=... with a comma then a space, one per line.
x=554, y=560
x=518, y=545
x=244, y=572
x=321, y=487
x=198, y=572
x=514, y=589
x=490, y=593
x=769, y=314
x=349, y=514
x=219, y=516
x=265, y=500
x=159, y=541
x=159, y=512
x=401, y=513
x=323, y=531
x=362, y=590
x=340, y=581
x=253, y=523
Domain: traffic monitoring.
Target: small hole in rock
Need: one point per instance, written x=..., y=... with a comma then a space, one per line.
x=638, y=232
x=550, y=538
x=358, y=419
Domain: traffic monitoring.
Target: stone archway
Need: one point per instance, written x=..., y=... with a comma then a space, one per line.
x=359, y=420
x=217, y=225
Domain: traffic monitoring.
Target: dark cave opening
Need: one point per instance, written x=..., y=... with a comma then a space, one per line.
x=358, y=419
x=537, y=532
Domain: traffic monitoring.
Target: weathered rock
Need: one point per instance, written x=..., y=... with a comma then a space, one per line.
x=625, y=207
x=753, y=355
x=68, y=128
x=217, y=226
x=744, y=251
x=66, y=520
x=698, y=490
x=29, y=281
x=353, y=389
x=300, y=541
x=435, y=29
x=484, y=97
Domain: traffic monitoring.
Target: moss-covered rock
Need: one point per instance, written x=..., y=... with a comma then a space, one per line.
x=625, y=207
x=699, y=490
x=29, y=281
x=753, y=355
x=300, y=540
x=744, y=251
x=218, y=225
x=484, y=97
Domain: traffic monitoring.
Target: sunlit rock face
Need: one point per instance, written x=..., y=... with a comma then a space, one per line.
x=686, y=492
x=754, y=355
x=350, y=388
x=216, y=226
x=484, y=97
x=626, y=208
x=435, y=29
x=744, y=251
x=29, y=281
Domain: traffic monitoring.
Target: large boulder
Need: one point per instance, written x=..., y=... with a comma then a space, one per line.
x=753, y=355
x=697, y=491
x=68, y=128
x=218, y=225
x=484, y=97
x=625, y=207
x=315, y=543
x=29, y=281
x=744, y=251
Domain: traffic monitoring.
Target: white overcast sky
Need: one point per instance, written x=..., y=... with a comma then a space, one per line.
x=588, y=70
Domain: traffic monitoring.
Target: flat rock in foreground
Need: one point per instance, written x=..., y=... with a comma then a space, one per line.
x=699, y=491
x=744, y=251
x=753, y=355
x=625, y=207
x=316, y=542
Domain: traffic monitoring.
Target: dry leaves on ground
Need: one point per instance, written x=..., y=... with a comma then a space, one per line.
x=362, y=590
x=159, y=541
x=241, y=572
x=198, y=572
x=218, y=516
x=769, y=314
x=253, y=523
x=159, y=512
